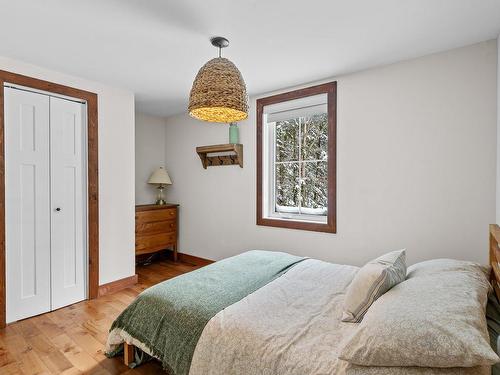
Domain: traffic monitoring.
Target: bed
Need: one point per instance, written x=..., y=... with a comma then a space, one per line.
x=273, y=313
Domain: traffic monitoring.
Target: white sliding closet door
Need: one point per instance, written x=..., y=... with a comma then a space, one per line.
x=68, y=242
x=27, y=203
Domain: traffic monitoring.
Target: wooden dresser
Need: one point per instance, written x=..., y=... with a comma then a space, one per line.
x=156, y=228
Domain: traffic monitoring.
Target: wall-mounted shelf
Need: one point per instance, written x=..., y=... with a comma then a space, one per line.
x=228, y=154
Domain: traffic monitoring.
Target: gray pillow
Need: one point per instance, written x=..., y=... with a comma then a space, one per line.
x=435, y=318
x=372, y=280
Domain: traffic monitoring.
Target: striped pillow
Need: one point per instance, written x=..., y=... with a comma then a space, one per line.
x=372, y=280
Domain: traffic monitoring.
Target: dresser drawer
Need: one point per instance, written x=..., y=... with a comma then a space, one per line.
x=144, y=228
x=155, y=215
x=154, y=242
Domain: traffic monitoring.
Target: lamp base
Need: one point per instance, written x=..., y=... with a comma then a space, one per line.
x=160, y=201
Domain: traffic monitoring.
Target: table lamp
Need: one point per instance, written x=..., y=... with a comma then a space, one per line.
x=161, y=178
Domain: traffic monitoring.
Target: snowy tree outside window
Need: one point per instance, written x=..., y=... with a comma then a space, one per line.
x=301, y=165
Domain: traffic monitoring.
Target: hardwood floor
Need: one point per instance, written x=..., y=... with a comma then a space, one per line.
x=71, y=340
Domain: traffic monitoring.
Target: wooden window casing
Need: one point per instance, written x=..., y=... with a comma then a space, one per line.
x=330, y=89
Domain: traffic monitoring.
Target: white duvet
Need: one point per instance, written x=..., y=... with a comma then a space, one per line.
x=290, y=326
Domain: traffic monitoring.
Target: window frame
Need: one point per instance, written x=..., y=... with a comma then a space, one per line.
x=330, y=89
x=271, y=179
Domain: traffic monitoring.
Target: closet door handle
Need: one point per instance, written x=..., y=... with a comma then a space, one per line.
x=58, y=209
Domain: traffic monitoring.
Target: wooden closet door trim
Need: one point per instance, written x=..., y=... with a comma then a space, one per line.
x=92, y=176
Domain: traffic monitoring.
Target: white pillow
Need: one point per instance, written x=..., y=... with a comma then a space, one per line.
x=436, y=318
x=372, y=280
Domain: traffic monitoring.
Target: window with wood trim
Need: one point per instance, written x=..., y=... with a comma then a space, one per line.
x=296, y=159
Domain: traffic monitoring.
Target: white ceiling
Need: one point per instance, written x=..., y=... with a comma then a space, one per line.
x=155, y=47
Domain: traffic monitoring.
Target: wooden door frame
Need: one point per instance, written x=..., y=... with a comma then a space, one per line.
x=92, y=178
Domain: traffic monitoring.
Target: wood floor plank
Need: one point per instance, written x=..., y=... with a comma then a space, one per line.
x=6, y=357
x=6, y=354
x=71, y=340
x=77, y=356
x=40, y=344
x=30, y=364
x=26, y=328
x=71, y=371
x=56, y=362
x=48, y=327
x=11, y=369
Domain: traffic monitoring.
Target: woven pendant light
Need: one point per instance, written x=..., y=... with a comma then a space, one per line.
x=219, y=93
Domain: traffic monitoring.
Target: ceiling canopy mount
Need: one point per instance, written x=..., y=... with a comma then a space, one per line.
x=219, y=42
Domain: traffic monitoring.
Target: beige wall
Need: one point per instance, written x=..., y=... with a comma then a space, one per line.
x=116, y=168
x=498, y=130
x=149, y=154
x=416, y=168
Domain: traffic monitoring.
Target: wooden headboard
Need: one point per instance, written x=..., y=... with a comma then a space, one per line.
x=495, y=257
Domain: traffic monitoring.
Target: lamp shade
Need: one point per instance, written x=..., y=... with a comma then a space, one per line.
x=219, y=93
x=160, y=177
